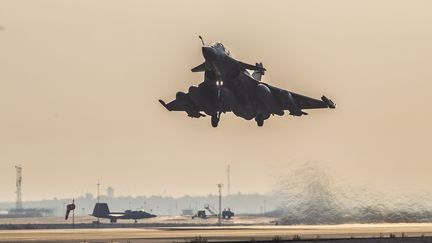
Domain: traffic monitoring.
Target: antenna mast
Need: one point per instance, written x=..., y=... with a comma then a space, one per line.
x=228, y=170
x=19, y=205
x=98, y=184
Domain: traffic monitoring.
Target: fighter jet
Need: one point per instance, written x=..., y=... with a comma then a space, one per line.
x=101, y=210
x=229, y=86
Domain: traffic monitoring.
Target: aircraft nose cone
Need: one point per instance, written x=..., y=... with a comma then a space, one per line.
x=208, y=52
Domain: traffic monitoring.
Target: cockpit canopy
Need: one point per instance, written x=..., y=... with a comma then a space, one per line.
x=220, y=46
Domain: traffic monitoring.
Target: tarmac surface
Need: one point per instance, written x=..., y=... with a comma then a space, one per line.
x=159, y=221
x=368, y=232
x=183, y=229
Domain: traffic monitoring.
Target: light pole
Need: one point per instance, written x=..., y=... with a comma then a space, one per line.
x=220, y=204
x=98, y=185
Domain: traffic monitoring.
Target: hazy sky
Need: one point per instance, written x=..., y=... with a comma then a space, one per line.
x=80, y=80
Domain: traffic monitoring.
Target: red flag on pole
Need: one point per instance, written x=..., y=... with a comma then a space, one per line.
x=69, y=208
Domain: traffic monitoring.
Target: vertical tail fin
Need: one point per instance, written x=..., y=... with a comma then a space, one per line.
x=101, y=210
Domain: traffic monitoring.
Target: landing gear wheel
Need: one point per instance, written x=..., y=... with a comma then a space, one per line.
x=214, y=120
x=259, y=120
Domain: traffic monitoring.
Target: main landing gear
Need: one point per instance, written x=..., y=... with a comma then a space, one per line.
x=259, y=120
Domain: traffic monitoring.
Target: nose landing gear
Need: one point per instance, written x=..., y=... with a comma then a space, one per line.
x=215, y=119
x=216, y=116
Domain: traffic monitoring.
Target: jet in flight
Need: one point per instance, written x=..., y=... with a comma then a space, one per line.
x=234, y=86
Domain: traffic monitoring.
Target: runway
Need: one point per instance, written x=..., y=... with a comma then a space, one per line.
x=219, y=234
